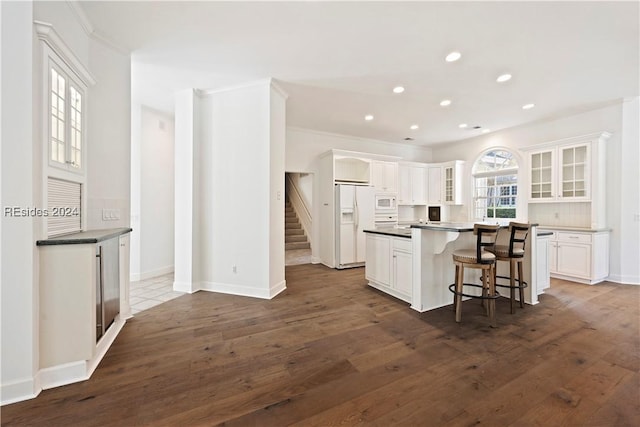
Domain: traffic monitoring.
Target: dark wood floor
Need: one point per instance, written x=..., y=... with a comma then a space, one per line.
x=332, y=351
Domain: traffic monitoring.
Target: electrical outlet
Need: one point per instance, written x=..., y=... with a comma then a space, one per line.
x=235, y=270
x=636, y=217
x=556, y=216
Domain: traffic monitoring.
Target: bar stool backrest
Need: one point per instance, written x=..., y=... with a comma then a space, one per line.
x=486, y=238
x=519, y=232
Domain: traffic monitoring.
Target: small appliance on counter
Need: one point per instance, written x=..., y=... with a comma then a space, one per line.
x=434, y=213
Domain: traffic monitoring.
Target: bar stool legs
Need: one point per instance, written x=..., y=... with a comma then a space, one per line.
x=488, y=290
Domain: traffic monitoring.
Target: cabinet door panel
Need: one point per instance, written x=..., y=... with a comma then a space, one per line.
x=377, y=262
x=402, y=272
x=574, y=259
x=435, y=185
x=404, y=185
x=418, y=182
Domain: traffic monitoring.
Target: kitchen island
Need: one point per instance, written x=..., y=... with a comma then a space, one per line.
x=425, y=250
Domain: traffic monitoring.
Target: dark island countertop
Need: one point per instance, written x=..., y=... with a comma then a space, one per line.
x=404, y=232
x=84, y=237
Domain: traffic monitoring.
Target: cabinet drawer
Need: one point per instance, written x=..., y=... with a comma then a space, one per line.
x=402, y=244
x=574, y=237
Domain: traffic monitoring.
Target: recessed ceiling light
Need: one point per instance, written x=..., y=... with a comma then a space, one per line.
x=453, y=56
x=445, y=102
x=528, y=106
x=414, y=127
x=368, y=117
x=462, y=125
x=398, y=89
x=486, y=130
x=503, y=78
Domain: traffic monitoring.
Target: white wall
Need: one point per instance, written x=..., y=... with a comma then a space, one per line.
x=303, y=147
x=242, y=198
x=19, y=257
x=156, y=194
x=624, y=191
x=185, y=142
x=108, y=137
x=108, y=153
x=620, y=174
x=304, y=184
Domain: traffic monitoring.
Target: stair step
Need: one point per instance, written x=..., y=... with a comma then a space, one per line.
x=293, y=231
x=297, y=245
x=295, y=238
x=290, y=219
x=290, y=215
x=292, y=226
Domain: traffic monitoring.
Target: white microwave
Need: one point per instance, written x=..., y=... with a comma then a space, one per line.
x=386, y=202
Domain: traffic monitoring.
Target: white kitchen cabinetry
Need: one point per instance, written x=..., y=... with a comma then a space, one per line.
x=570, y=170
x=388, y=265
x=434, y=185
x=412, y=184
x=79, y=286
x=453, y=182
x=579, y=256
x=560, y=174
x=344, y=167
x=384, y=176
x=543, y=268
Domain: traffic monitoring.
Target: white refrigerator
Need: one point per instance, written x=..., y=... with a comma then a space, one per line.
x=355, y=206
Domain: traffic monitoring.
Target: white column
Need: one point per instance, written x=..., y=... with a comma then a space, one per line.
x=19, y=347
x=185, y=140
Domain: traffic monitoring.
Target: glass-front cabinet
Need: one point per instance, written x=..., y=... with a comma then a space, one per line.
x=574, y=172
x=542, y=175
x=560, y=173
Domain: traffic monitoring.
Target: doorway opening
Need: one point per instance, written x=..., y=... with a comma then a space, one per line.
x=298, y=218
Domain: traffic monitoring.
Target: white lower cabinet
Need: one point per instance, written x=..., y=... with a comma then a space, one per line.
x=579, y=256
x=388, y=266
x=543, y=266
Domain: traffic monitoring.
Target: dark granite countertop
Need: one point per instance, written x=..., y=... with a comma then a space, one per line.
x=84, y=237
x=458, y=226
x=404, y=232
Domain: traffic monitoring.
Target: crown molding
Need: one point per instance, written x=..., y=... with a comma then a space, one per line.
x=91, y=32
x=48, y=35
x=82, y=18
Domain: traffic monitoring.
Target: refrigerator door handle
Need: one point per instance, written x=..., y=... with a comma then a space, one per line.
x=356, y=212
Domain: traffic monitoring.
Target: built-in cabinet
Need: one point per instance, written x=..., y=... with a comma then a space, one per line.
x=568, y=171
x=384, y=176
x=561, y=174
x=82, y=301
x=543, y=259
x=388, y=265
x=412, y=184
x=579, y=256
x=434, y=185
x=453, y=182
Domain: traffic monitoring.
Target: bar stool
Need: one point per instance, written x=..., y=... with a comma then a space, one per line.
x=514, y=254
x=481, y=259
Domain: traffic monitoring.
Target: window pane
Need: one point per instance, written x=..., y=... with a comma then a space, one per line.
x=54, y=81
x=495, y=193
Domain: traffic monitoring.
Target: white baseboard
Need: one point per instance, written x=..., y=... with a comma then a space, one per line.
x=625, y=280
x=245, y=291
x=64, y=374
x=315, y=260
x=275, y=290
x=151, y=274
x=18, y=391
x=186, y=287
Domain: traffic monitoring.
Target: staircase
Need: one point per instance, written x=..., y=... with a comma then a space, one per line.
x=294, y=237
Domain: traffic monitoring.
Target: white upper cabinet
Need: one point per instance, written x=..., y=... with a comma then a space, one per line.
x=570, y=170
x=452, y=191
x=565, y=170
x=435, y=185
x=412, y=184
x=384, y=176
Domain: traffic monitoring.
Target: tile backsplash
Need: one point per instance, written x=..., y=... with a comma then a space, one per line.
x=561, y=214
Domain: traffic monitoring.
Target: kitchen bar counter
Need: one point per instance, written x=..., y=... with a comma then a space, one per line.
x=84, y=237
x=429, y=253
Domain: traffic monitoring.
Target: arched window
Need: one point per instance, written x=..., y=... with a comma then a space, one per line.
x=495, y=176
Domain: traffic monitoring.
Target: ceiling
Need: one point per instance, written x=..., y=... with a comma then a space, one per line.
x=339, y=61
